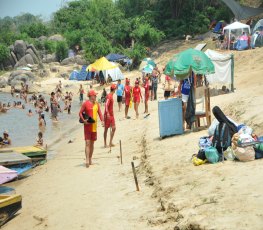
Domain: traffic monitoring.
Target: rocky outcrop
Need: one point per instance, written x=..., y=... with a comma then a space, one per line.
x=18, y=76
x=4, y=80
x=22, y=54
x=49, y=58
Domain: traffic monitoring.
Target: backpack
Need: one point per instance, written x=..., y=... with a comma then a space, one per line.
x=222, y=137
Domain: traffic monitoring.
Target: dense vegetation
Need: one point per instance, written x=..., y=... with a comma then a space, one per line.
x=103, y=26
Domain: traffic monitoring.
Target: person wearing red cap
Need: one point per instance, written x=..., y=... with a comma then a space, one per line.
x=109, y=116
x=146, y=86
x=91, y=108
x=128, y=95
x=137, y=96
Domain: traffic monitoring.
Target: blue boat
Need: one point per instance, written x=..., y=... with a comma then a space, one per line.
x=21, y=168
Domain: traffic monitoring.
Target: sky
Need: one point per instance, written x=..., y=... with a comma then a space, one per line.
x=36, y=7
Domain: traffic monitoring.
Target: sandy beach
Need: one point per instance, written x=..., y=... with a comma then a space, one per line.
x=174, y=194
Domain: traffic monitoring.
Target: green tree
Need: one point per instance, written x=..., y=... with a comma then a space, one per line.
x=4, y=54
x=61, y=50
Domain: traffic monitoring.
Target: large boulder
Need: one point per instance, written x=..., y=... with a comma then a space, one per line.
x=49, y=58
x=4, y=80
x=27, y=59
x=56, y=37
x=42, y=38
x=33, y=55
x=20, y=75
x=20, y=49
x=72, y=60
x=13, y=56
x=33, y=48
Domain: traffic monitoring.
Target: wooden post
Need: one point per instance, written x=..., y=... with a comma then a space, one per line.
x=232, y=72
x=135, y=177
x=120, y=152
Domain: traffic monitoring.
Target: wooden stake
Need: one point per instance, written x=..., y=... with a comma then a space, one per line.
x=120, y=151
x=135, y=177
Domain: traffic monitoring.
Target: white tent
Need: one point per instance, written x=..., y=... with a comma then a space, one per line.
x=224, y=68
x=236, y=28
x=115, y=73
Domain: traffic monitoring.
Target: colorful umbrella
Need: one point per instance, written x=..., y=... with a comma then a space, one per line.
x=182, y=64
x=148, y=69
x=145, y=62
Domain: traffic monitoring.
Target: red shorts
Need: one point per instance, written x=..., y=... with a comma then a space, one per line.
x=136, y=100
x=127, y=101
x=91, y=136
x=109, y=122
x=147, y=97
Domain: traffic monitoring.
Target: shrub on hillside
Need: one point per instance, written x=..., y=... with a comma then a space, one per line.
x=61, y=50
x=4, y=54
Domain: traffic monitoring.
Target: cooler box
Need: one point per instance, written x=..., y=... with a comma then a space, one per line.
x=170, y=117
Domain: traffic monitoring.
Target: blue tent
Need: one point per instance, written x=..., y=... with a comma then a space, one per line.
x=74, y=75
x=219, y=26
x=83, y=74
x=115, y=57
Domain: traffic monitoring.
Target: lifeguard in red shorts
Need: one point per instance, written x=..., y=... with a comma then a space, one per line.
x=91, y=108
x=137, y=96
x=109, y=116
x=128, y=96
x=146, y=86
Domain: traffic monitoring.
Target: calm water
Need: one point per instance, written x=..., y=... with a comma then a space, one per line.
x=23, y=129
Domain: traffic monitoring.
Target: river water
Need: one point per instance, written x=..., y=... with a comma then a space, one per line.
x=23, y=129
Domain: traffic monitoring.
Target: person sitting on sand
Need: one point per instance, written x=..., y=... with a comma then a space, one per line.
x=39, y=140
x=6, y=138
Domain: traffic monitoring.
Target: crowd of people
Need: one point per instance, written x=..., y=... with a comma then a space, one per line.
x=39, y=106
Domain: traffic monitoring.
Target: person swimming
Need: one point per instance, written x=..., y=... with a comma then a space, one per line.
x=30, y=113
x=6, y=138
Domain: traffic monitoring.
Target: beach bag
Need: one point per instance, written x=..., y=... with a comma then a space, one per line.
x=229, y=154
x=86, y=117
x=196, y=161
x=169, y=86
x=245, y=154
x=212, y=155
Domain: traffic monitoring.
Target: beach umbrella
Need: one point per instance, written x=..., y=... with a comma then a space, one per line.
x=145, y=62
x=101, y=64
x=148, y=69
x=183, y=63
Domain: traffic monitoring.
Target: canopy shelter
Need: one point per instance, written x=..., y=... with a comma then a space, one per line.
x=115, y=73
x=148, y=69
x=101, y=64
x=242, y=12
x=237, y=29
x=183, y=63
x=115, y=57
x=224, y=68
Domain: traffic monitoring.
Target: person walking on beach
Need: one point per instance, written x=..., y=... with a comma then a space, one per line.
x=154, y=87
x=128, y=96
x=120, y=89
x=147, y=94
x=81, y=93
x=90, y=108
x=137, y=96
x=54, y=106
x=109, y=117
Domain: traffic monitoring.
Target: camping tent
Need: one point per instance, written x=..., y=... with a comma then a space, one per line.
x=74, y=75
x=257, y=37
x=101, y=64
x=115, y=57
x=83, y=74
x=236, y=28
x=115, y=73
x=258, y=26
x=224, y=68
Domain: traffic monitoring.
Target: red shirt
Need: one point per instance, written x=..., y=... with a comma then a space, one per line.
x=91, y=110
x=127, y=91
x=109, y=105
x=137, y=92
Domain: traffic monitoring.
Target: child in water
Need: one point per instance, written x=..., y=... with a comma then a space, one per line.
x=39, y=139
